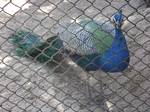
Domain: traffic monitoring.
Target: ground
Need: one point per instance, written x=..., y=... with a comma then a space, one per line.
x=27, y=86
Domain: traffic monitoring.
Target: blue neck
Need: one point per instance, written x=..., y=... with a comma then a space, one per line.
x=119, y=39
x=118, y=34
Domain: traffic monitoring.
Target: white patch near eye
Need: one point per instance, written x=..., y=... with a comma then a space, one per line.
x=114, y=20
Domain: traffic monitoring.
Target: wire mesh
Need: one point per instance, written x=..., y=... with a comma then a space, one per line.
x=29, y=86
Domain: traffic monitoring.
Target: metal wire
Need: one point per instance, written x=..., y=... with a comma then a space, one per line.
x=29, y=86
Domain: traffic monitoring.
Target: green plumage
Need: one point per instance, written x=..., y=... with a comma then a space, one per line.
x=88, y=37
x=31, y=46
x=101, y=37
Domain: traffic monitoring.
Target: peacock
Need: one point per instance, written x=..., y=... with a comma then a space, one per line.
x=89, y=44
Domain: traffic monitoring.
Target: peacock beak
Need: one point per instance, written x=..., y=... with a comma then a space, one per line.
x=112, y=21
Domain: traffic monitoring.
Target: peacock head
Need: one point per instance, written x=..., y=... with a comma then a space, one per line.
x=118, y=19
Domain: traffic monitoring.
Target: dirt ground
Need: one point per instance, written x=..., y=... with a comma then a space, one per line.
x=27, y=86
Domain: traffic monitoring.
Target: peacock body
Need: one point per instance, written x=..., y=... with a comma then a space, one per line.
x=98, y=46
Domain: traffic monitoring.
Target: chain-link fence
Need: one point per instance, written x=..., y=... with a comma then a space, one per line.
x=29, y=86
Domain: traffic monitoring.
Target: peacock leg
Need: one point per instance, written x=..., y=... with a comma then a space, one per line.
x=98, y=99
x=89, y=91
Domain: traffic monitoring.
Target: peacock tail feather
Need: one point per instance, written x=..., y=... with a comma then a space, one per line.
x=32, y=46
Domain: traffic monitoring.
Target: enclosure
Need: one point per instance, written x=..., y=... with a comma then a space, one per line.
x=29, y=86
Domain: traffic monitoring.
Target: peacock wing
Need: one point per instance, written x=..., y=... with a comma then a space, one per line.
x=87, y=37
x=77, y=40
x=101, y=34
